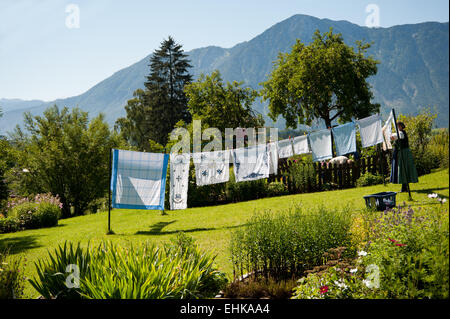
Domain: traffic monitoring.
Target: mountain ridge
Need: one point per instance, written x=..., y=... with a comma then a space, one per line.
x=413, y=72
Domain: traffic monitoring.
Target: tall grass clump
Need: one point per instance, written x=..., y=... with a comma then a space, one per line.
x=284, y=245
x=12, y=279
x=143, y=271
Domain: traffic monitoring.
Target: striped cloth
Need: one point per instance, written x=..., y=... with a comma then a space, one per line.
x=138, y=179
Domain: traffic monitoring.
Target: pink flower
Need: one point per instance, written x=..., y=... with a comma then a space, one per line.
x=323, y=289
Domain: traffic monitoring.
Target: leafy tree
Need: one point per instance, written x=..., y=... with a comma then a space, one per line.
x=222, y=105
x=152, y=113
x=68, y=156
x=5, y=164
x=419, y=130
x=135, y=128
x=326, y=79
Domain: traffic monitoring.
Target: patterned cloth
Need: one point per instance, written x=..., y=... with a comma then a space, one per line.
x=320, y=142
x=251, y=163
x=370, y=130
x=285, y=148
x=300, y=144
x=345, y=138
x=212, y=167
x=138, y=179
x=179, y=180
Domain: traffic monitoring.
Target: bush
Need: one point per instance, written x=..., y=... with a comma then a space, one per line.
x=140, y=272
x=244, y=191
x=12, y=279
x=286, y=244
x=26, y=215
x=439, y=147
x=48, y=214
x=43, y=211
x=411, y=249
x=9, y=224
x=369, y=179
x=339, y=278
x=303, y=174
x=276, y=189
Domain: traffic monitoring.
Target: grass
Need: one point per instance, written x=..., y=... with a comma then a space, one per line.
x=209, y=226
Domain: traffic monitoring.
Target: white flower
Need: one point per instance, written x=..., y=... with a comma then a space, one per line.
x=433, y=195
x=353, y=270
x=362, y=253
x=368, y=283
x=444, y=200
x=340, y=284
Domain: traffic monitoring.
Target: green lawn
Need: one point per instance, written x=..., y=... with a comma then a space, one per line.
x=210, y=226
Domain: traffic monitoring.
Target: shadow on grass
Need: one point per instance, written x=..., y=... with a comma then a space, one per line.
x=192, y=230
x=17, y=245
x=431, y=190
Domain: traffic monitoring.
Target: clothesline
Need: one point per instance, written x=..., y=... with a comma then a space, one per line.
x=139, y=178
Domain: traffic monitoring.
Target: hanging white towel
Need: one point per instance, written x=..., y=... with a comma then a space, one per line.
x=285, y=148
x=212, y=167
x=370, y=130
x=321, y=146
x=273, y=157
x=387, y=132
x=138, y=179
x=300, y=144
x=251, y=163
x=179, y=180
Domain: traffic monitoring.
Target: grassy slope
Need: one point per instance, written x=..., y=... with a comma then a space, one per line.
x=210, y=226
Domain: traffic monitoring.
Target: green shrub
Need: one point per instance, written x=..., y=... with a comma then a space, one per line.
x=48, y=214
x=27, y=215
x=31, y=215
x=12, y=279
x=9, y=224
x=303, y=175
x=438, y=148
x=244, y=191
x=411, y=249
x=276, y=189
x=288, y=243
x=140, y=272
x=204, y=195
x=369, y=179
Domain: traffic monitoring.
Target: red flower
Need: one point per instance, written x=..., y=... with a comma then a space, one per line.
x=400, y=245
x=323, y=289
x=393, y=240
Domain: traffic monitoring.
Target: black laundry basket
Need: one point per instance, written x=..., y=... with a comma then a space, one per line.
x=381, y=201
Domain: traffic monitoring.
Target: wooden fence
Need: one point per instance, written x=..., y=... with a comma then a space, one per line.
x=305, y=178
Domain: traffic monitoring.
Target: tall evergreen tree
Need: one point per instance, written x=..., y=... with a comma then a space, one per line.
x=153, y=113
x=165, y=89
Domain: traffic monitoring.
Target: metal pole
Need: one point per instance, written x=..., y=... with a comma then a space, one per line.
x=398, y=138
x=109, y=193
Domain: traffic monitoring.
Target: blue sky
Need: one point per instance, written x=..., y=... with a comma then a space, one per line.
x=41, y=58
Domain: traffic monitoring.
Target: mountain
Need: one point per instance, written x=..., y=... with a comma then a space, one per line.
x=413, y=70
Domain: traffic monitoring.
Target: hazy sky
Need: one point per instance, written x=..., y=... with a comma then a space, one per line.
x=47, y=53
